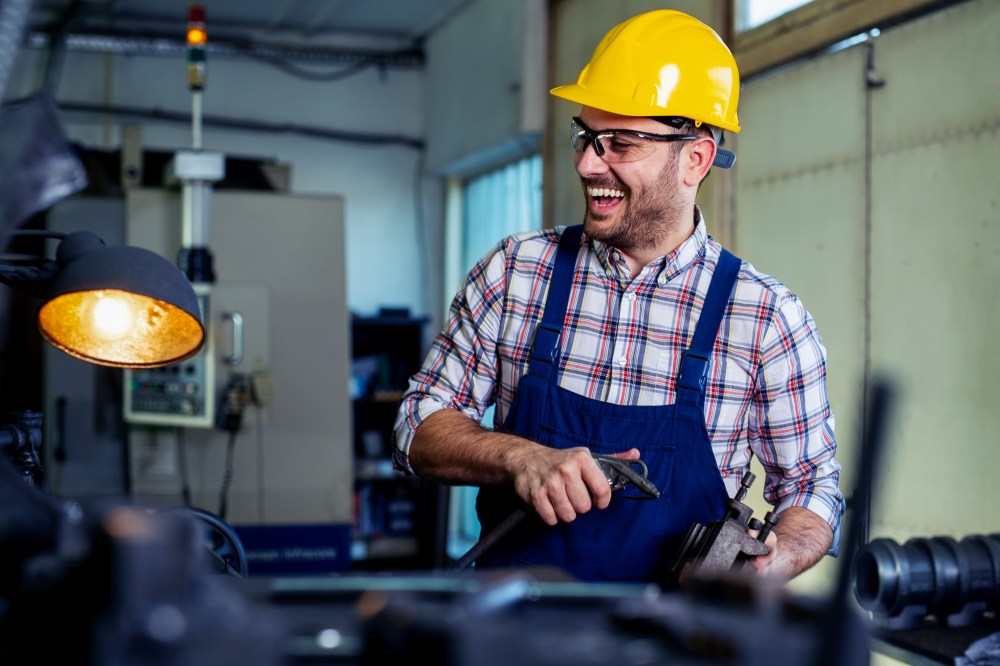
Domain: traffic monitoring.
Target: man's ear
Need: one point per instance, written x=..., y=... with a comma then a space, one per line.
x=699, y=157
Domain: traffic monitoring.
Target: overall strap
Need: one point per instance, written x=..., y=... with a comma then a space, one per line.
x=694, y=362
x=545, y=349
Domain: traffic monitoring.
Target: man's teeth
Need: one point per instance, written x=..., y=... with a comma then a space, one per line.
x=604, y=192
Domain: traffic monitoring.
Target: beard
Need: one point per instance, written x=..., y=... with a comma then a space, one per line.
x=645, y=216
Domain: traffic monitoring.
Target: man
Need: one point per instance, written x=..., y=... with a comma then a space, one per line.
x=604, y=338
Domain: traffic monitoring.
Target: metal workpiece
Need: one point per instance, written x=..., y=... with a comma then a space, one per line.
x=954, y=582
x=725, y=546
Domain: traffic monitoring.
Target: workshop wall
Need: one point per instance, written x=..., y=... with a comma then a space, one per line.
x=877, y=204
x=486, y=86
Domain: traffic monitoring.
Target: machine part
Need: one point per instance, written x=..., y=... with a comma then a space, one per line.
x=21, y=442
x=125, y=584
x=725, y=546
x=235, y=397
x=182, y=394
x=619, y=472
x=38, y=164
x=522, y=618
x=954, y=582
x=261, y=387
x=222, y=541
x=237, y=356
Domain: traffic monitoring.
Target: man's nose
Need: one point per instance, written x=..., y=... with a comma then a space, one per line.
x=589, y=161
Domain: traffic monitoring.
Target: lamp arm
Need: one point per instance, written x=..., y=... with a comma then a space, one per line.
x=31, y=280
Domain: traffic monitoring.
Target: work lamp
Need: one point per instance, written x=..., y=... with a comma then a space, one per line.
x=119, y=306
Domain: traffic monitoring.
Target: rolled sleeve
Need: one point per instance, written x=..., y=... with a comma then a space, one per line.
x=460, y=370
x=796, y=444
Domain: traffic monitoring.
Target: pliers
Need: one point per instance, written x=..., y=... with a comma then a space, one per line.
x=619, y=472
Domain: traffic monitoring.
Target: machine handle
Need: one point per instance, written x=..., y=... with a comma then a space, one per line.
x=237, y=356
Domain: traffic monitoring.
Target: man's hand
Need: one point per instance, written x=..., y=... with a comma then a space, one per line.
x=798, y=541
x=761, y=562
x=560, y=484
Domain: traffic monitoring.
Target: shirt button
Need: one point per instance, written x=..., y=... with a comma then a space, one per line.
x=608, y=272
x=621, y=361
x=631, y=295
x=662, y=280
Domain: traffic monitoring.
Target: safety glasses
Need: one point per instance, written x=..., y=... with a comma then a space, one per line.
x=617, y=146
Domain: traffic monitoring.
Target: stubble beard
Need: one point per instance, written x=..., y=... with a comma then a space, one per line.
x=646, y=217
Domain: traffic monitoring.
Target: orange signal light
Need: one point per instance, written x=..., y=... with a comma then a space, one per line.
x=196, y=37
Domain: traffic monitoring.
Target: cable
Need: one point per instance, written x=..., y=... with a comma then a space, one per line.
x=260, y=464
x=326, y=77
x=488, y=541
x=156, y=114
x=235, y=397
x=228, y=475
x=182, y=463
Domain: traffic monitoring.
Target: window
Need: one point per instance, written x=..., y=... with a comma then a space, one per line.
x=485, y=209
x=499, y=203
x=752, y=13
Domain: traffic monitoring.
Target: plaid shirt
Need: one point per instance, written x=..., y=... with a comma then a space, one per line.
x=622, y=342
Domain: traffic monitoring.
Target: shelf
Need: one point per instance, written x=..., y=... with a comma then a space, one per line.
x=397, y=518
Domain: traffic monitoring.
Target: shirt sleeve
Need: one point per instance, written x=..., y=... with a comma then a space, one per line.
x=460, y=370
x=795, y=439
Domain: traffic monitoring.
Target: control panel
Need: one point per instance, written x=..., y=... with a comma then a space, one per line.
x=182, y=394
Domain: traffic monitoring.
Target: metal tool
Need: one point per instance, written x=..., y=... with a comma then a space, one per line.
x=619, y=472
x=725, y=545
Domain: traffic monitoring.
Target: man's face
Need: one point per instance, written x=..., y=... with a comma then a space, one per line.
x=631, y=205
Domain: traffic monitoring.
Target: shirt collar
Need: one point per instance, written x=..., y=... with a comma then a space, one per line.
x=672, y=263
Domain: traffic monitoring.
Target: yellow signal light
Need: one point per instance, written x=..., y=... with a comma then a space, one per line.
x=196, y=37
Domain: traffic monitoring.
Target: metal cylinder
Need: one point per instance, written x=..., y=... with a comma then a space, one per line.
x=953, y=582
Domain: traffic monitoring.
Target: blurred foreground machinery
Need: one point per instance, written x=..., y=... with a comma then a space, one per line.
x=539, y=617
x=125, y=585
x=118, y=585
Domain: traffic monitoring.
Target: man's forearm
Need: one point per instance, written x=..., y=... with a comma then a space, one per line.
x=451, y=448
x=803, y=539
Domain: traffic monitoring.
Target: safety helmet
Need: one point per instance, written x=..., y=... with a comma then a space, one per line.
x=661, y=63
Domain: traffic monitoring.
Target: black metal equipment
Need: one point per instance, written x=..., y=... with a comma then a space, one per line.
x=21, y=442
x=519, y=618
x=955, y=582
x=124, y=585
x=725, y=545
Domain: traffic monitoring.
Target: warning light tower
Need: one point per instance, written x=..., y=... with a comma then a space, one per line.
x=196, y=169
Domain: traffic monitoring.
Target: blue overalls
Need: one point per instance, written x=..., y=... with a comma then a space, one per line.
x=635, y=538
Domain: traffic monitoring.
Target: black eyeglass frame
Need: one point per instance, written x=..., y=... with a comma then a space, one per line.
x=593, y=136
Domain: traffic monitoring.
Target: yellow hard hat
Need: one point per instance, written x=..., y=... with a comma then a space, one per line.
x=661, y=63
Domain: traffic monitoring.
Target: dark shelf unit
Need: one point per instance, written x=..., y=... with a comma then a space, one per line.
x=400, y=521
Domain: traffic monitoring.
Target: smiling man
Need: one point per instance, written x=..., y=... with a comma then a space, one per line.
x=633, y=335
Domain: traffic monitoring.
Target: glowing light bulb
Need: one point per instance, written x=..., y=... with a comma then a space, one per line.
x=112, y=318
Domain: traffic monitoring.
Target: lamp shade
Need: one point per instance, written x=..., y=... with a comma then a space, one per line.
x=120, y=306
